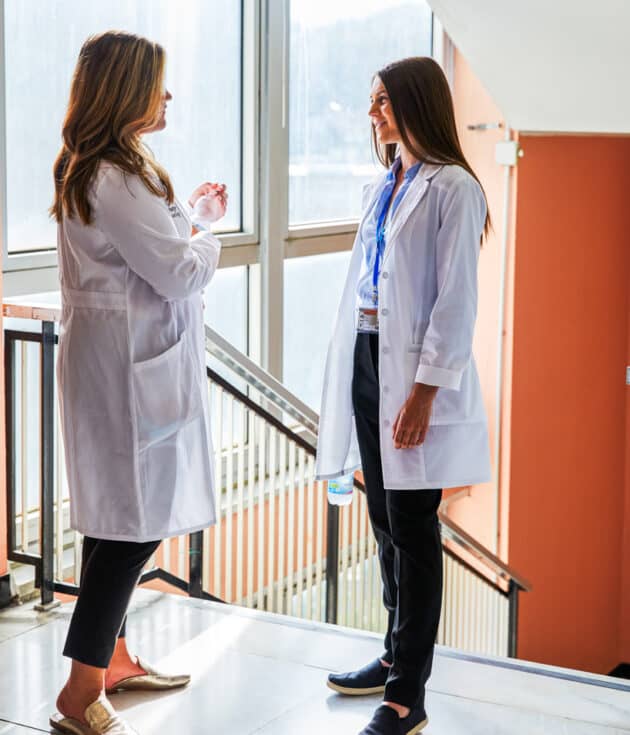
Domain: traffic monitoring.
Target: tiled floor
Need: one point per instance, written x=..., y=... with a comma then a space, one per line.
x=265, y=674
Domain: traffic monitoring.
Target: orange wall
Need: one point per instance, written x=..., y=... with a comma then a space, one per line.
x=568, y=439
x=624, y=627
x=474, y=105
x=565, y=480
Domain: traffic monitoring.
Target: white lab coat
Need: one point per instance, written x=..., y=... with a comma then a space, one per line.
x=427, y=311
x=131, y=365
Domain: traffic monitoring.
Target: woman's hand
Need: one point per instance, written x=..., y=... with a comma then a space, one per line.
x=205, y=188
x=412, y=423
x=211, y=205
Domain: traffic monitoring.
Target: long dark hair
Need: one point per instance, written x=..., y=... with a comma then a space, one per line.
x=423, y=107
x=116, y=93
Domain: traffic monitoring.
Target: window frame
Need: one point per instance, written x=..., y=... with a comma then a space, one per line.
x=27, y=272
x=266, y=240
x=327, y=236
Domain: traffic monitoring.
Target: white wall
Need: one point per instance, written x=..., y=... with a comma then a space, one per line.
x=550, y=65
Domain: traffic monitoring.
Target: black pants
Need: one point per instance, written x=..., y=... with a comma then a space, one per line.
x=406, y=527
x=110, y=571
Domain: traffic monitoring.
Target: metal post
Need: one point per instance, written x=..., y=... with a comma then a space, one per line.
x=513, y=591
x=195, y=564
x=332, y=563
x=11, y=460
x=47, y=514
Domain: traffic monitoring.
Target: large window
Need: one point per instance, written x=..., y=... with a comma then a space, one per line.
x=336, y=47
x=270, y=97
x=204, y=71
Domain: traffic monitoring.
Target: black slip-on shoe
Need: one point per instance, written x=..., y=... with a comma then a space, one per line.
x=415, y=721
x=368, y=680
x=386, y=721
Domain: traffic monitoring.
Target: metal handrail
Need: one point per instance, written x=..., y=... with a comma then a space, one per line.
x=275, y=392
x=277, y=404
x=262, y=381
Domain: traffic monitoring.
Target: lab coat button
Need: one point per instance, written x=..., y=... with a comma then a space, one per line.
x=385, y=274
x=386, y=423
x=385, y=389
x=386, y=350
x=385, y=312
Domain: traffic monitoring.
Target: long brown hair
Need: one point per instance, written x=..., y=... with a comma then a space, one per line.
x=423, y=107
x=116, y=93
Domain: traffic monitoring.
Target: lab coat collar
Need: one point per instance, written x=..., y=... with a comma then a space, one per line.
x=417, y=189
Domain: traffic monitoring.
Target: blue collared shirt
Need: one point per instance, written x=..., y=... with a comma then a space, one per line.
x=371, y=233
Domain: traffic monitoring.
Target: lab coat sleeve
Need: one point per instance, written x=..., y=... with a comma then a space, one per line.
x=140, y=227
x=447, y=345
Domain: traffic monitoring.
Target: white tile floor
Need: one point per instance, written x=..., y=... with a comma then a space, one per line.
x=265, y=674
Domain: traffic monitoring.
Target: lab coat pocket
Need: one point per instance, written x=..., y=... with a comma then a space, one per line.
x=167, y=393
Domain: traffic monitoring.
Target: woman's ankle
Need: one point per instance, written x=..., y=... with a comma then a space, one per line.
x=402, y=710
x=84, y=686
x=72, y=702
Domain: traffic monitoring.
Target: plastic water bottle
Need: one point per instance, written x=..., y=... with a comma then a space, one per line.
x=340, y=490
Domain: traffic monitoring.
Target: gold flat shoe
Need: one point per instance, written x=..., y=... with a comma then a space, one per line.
x=151, y=681
x=102, y=719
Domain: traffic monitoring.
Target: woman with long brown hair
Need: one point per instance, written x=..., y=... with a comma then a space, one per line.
x=131, y=367
x=401, y=392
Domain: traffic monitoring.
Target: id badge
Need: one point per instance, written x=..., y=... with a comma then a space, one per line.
x=367, y=320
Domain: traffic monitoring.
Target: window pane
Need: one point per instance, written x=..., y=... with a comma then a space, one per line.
x=225, y=311
x=225, y=299
x=312, y=290
x=203, y=137
x=335, y=49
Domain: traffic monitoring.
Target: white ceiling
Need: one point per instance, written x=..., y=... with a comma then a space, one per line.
x=550, y=65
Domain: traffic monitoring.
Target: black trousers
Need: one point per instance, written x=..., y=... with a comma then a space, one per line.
x=406, y=526
x=110, y=570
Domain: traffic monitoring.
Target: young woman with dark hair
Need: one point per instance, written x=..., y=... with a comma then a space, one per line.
x=401, y=392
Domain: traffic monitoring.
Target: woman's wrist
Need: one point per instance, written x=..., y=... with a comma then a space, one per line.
x=424, y=391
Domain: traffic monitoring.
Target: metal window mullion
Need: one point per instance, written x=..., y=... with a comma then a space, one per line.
x=250, y=115
x=274, y=180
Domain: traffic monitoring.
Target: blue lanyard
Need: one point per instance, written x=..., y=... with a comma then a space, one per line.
x=380, y=240
x=386, y=205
